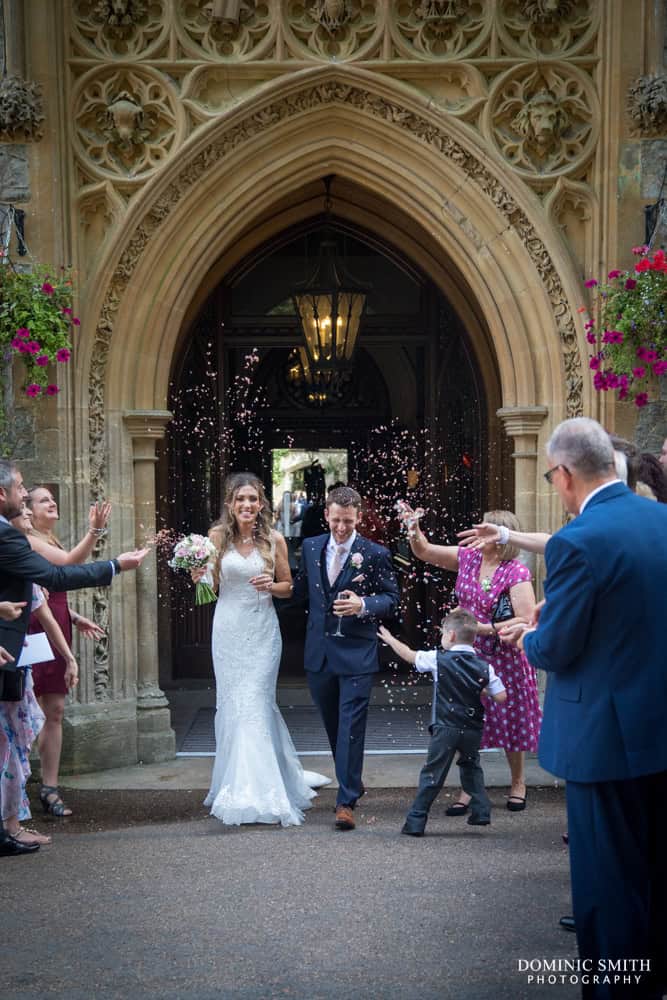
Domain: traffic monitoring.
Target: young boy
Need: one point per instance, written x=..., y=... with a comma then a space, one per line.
x=460, y=677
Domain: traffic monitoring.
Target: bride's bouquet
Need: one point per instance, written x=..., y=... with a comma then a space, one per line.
x=193, y=552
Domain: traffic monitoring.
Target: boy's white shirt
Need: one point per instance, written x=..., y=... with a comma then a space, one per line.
x=426, y=661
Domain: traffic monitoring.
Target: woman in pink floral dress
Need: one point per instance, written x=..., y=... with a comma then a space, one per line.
x=483, y=574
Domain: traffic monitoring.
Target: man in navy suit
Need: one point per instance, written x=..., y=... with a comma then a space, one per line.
x=343, y=574
x=600, y=636
x=20, y=567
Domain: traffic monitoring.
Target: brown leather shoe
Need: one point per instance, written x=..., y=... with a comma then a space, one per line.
x=344, y=818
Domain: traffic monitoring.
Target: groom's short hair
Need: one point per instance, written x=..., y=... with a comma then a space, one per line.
x=344, y=496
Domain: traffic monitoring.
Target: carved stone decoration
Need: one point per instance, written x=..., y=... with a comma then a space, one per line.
x=570, y=206
x=543, y=120
x=333, y=29
x=119, y=27
x=550, y=27
x=20, y=109
x=126, y=122
x=231, y=29
x=331, y=14
x=647, y=104
x=442, y=28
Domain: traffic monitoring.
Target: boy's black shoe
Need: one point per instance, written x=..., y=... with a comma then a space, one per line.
x=412, y=831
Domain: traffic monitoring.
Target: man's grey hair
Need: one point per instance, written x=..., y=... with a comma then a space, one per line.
x=582, y=445
x=7, y=473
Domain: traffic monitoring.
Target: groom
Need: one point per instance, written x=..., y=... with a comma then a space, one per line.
x=349, y=580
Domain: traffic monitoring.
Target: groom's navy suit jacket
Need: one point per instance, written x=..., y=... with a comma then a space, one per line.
x=374, y=580
x=20, y=567
x=601, y=638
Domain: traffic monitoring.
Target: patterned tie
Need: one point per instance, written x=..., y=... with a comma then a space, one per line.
x=336, y=564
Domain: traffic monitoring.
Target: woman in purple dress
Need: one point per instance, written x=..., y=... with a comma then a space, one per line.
x=483, y=574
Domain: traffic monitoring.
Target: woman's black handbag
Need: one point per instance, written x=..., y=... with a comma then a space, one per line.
x=12, y=685
x=502, y=610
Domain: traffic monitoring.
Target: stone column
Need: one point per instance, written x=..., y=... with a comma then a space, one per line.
x=522, y=423
x=155, y=738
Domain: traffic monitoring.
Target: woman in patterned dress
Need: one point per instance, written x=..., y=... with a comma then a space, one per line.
x=483, y=574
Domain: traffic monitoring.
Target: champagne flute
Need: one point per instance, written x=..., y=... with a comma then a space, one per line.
x=271, y=568
x=339, y=632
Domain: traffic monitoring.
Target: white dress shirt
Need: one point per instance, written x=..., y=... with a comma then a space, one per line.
x=598, y=489
x=427, y=662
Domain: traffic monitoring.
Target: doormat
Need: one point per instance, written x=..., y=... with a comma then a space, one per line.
x=390, y=730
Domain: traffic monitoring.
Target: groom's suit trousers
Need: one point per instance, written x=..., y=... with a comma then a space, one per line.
x=343, y=704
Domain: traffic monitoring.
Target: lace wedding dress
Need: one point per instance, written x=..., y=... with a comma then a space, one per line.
x=257, y=777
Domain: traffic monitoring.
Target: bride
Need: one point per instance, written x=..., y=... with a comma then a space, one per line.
x=257, y=777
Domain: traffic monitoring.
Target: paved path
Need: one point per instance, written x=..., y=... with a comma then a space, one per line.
x=143, y=895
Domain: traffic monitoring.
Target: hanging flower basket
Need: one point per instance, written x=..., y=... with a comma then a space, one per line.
x=630, y=339
x=36, y=323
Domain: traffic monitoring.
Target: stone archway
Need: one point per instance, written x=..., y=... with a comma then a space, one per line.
x=472, y=222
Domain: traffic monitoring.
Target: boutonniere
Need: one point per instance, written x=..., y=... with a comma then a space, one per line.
x=356, y=559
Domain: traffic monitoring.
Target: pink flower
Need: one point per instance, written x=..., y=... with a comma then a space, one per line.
x=17, y=343
x=42, y=360
x=643, y=265
x=613, y=381
x=52, y=390
x=660, y=368
x=66, y=311
x=591, y=283
x=623, y=392
x=639, y=372
x=650, y=356
x=24, y=348
x=76, y=322
x=641, y=399
x=612, y=337
x=63, y=354
x=594, y=364
x=34, y=347
x=47, y=288
x=600, y=381
x=590, y=337
x=630, y=284
x=614, y=274
x=33, y=389
x=23, y=333
x=638, y=251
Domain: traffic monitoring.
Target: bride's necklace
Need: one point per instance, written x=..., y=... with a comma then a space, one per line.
x=247, y=541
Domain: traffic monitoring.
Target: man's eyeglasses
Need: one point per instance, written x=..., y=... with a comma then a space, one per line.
x=550, y=473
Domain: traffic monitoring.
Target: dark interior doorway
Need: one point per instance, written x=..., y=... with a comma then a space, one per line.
x=410, y=417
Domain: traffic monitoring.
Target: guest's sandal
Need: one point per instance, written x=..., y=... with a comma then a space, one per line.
x=49, y=796
x=516, y=803
x=26, y=835
x=458, y=809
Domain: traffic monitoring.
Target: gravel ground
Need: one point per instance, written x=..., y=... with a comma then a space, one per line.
x=143, y=895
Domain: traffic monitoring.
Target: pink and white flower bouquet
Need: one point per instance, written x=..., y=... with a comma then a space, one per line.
x=194, y=552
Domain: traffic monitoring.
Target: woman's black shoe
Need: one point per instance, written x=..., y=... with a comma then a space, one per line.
x=458, y=809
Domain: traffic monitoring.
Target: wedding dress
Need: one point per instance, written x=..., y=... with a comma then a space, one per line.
x=257, y=777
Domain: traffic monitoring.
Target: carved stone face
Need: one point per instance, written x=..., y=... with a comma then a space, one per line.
x=547, y=11
x=542, y=121
x=126, y=115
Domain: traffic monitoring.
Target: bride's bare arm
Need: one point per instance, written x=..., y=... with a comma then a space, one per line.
x=282, y=582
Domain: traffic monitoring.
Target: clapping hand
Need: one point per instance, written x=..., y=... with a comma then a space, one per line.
x=98, y=515
x=88, y=628
x=5, y=657
x=477, y=536
x=11, y=610
x=131, y=560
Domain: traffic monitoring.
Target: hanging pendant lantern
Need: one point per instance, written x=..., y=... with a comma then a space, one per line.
x=330, y=306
